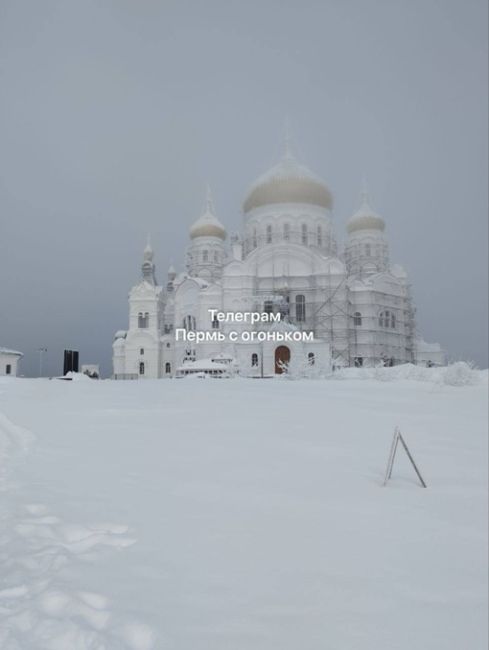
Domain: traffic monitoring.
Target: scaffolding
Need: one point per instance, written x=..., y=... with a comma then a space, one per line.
x=334, y=318
x=375, y=340
x=326, y=314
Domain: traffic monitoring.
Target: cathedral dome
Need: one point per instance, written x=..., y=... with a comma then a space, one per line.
x=365, y=218
x=208, y=225
x=288, y=182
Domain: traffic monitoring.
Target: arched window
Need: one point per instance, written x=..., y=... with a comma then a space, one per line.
x=286, y=231
x=368, y=250
x=8, y=369
x=167, y=367
x=393, y=321
x=304, y=233
x=254, y=360
x=269, y=234
x=205, y=256
x=189, y=323
x=141, y=351
x=311, y=359
x=141, y=368
x=215, y=324
x=143, y=320
x=357, y=319
x=320, y=236
x=300, y=308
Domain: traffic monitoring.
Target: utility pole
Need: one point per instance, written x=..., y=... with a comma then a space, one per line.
x=41, y=351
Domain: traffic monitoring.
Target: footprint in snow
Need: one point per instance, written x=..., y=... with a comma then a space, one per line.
x=37, y=612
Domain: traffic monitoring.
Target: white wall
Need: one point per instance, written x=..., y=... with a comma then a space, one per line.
x=8, y=359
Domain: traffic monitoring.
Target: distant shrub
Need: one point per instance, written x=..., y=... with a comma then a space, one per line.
x=460, y=374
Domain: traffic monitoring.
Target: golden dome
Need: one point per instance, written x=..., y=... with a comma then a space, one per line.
x=207, y=228
x=288, y=182
x=365, y=218
x=208, y=225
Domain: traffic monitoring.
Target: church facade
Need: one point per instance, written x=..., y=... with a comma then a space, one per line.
x=355, y=302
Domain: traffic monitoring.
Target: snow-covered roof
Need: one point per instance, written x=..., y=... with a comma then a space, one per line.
x=14, y=353
x=145, y=288
x=203, y=284
x=202, y=364
x=200, y=281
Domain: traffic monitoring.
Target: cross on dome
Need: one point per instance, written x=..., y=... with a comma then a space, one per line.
x=148, y=251
x=287, y=149
x=364, y=192
x=209, y=202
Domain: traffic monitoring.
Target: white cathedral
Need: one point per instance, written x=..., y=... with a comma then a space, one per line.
x=355, y=302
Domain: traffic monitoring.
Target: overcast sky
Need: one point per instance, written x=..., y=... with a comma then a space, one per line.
x=114, y=115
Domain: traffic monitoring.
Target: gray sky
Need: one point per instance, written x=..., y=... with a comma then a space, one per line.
x=115, y=114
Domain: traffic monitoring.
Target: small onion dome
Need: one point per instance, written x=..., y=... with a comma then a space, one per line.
x=288, y=182
x=172, y=274
x=365, y=219
x=208, y=225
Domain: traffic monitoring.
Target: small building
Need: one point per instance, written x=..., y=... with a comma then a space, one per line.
x=9, y=362
x=429, y=354
x=204, y=368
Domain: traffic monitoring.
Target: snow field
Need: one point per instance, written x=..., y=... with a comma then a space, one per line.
x=248, y=514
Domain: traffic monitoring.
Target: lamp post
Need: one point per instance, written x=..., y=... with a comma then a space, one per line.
x=41, y=351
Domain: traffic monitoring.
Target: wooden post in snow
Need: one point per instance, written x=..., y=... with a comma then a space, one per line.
x=390, y=463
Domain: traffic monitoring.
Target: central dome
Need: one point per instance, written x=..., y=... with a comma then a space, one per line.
x=288, y=182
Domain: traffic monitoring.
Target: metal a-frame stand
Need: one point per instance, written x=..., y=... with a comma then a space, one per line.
x=395, y=441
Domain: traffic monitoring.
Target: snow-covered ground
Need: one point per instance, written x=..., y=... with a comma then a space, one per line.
x=243, y=514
